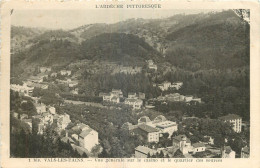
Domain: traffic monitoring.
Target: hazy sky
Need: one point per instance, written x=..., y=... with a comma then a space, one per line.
x=68, y=19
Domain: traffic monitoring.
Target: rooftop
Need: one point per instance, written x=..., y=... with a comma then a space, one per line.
x=114, y=98
x=144, y=149
x=160, y=118
x=133, y=100
x=230, y=117
x=85, y=133
x=147, y=128
x=166, y=124
x=144, y=119
x=180, y=137
x=197, y=145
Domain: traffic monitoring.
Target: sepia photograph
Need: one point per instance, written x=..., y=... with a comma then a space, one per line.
x=160, y=84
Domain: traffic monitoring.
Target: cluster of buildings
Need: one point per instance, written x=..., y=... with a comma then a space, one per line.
x=134, y=100
x=82, y=137
x=167, y=85
x=127, y=70
x=22, y=89
x=182, y=143
x=176, y=97
x=152, y=130
x=70, y=83
x=45, y=69
x=65, y=72
x=46, y=115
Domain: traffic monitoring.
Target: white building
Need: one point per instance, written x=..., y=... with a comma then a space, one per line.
x=63, y=121
x=245, y=152
x=75, y=91
x=132, y=95
x=52, y=110
x=116, y=92
x=72, y=83
x=45, y=69
x=164, y=86
x=235, y=120
x=177, y=85
x=24, y=89
x=65, y=72
x=198, y=147
x=188, y=98
x=183, y=143
x=36, y=79
x=227, y=152
x=40, y=108
x=149, y=133
x=115, y=99
x=160, y=123
x=167, y=127
x=54, y=74
x=143, y=151
x=134, y=103
x=107, y=97
x=88, y=139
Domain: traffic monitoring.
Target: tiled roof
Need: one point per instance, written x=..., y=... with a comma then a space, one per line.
x=230, y=117
x=144, y=119
x=147, y=128
x=145, y=150
x=197, y=145
x=66, y=139
x=179, y=138
x=132, y=100
x=85, y=133
x=114, y=98
x=160, y=118
x=166, y=124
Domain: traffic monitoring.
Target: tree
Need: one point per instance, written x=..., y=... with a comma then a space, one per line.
x=161, y=155
x=84, y=155
x=178, y=154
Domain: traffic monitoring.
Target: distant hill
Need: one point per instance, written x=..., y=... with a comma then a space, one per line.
x=219, y=41
x=195, y=42
x=20, y=37
x=119, y=47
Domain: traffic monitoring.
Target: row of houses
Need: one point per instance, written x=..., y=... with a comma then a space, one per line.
x=127, y=70
x=182, y=143
x=176, y=97
x=134, y=100
x=167, y=85
x=69, y=82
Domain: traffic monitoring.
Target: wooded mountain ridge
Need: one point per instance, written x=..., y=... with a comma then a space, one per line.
x=192, y=42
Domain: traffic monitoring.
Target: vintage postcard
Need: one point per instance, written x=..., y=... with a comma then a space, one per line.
x=129, y=84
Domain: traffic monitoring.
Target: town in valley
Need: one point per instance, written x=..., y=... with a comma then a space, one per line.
x=175, y=87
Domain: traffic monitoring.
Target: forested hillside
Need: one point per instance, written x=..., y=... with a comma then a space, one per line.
x=208, y=52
